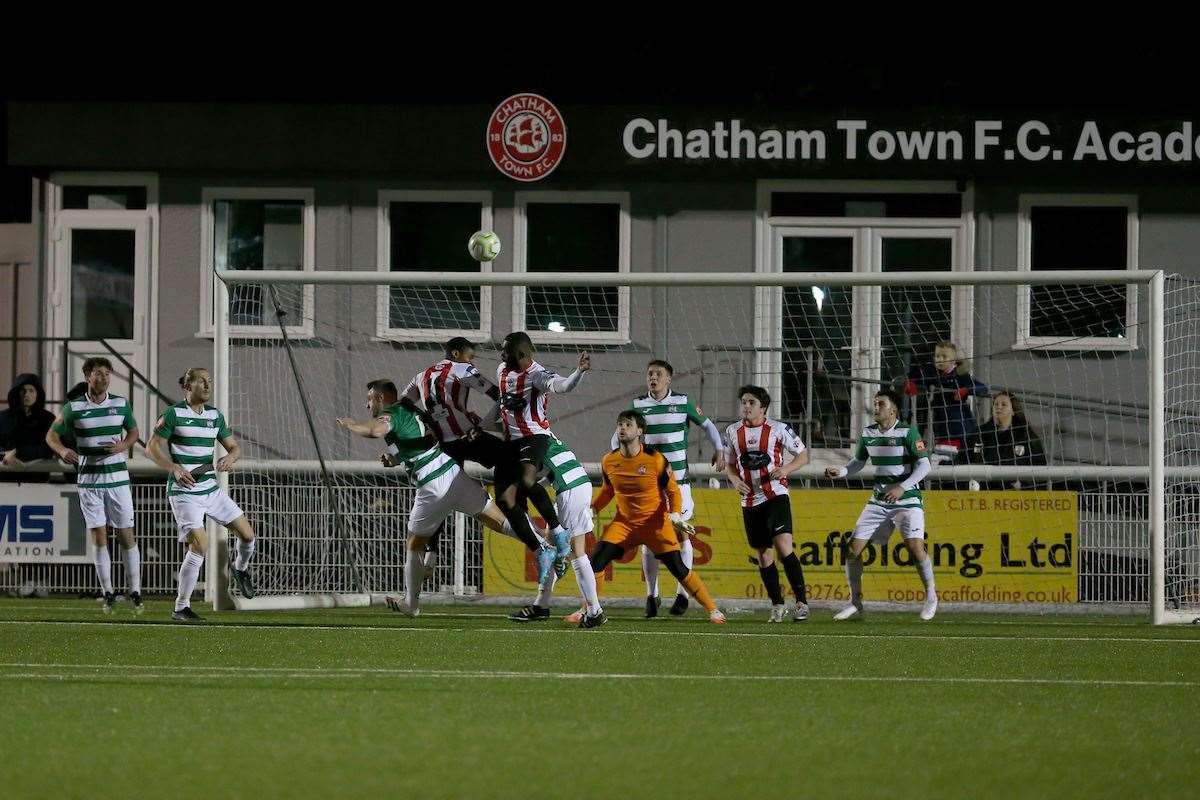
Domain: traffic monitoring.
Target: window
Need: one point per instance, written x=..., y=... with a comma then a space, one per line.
x=572, y=232
x=103, y=198
x=257, y=229
x=423, y=231
x=1078, y=232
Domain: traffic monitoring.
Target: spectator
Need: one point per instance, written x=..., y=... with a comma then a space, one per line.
x=1008, y=440
x=949, y=383
x=24, y=425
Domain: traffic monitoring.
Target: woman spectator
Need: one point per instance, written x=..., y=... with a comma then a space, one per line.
x=1008, y=440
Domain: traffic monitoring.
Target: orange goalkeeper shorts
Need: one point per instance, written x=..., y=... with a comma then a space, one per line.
x=659, y=538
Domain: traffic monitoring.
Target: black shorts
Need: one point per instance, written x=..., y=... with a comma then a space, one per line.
x=526, y=450
x=766, y=521
x=484, y=449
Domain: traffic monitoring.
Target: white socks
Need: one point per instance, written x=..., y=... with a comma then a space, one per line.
x=189, y=573
x=245, y=552
x=685, y=552
x=854, y=570
x=925, y=570
x=650, y=571
x=414, y=569
x=103, y=567
x=430, y=560
x=586, y=578
x=509, y=532
x=133, y=569
x=546, y=591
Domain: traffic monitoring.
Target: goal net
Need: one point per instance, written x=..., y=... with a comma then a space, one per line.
x=1063, y=425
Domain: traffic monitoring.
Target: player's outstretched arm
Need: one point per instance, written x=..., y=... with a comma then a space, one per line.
x=852, y=467
x=374, y=429
x=561, y=385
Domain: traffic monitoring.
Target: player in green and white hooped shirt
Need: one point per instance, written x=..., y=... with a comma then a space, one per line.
x=901, y=462
x=103, y=428
x=442, y=488
x=184, y=443
x=573, y=501
x=668, y=415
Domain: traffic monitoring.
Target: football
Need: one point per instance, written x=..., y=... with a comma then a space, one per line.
x=483, y=245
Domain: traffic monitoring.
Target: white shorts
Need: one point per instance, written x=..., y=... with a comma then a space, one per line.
x=574, y=508
x=191, y=509
x=689, y=504
x=451, y=491
x=877, y=523
x=102, y=507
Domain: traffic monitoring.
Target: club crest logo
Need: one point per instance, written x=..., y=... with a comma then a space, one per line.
x=641, y=469
x=526, y=137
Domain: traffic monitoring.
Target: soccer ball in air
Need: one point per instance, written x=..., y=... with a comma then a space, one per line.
x=483, y=245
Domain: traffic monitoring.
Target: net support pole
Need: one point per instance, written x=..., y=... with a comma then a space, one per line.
x=331, y=496
x=1158, y=495
x=216, y=589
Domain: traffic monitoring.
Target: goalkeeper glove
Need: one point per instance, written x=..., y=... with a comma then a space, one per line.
x=682, y=526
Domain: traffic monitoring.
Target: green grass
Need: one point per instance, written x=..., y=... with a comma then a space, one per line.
x=462, y=703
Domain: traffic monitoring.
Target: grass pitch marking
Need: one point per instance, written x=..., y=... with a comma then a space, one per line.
x=66, y=672
x=525, y=629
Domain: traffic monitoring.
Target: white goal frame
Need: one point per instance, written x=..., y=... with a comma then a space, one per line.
x=1154, y=280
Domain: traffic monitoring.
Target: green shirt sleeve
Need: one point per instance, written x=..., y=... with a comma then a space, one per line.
x=130, y=423
x=860, y=451
x=67, y=425
x=914, y=445
x=223, y=431
x=694, y=413
x=166, y=424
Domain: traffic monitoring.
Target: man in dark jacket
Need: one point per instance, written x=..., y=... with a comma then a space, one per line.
x=24, y=425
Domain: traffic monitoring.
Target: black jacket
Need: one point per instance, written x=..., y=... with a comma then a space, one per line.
x=1017, y=446
x=26, y=433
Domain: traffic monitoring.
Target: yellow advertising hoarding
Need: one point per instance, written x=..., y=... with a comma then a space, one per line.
x=987, y=547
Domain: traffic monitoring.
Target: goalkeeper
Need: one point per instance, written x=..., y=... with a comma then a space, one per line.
x=648, y=509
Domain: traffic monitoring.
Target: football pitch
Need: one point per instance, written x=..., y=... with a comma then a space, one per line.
x=462, y=703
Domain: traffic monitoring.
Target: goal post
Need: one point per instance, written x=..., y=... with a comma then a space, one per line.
x=1149, y=532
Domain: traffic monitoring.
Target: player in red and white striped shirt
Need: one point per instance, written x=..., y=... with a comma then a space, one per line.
x=755, y=446
x=525, y=387
x=440, y=395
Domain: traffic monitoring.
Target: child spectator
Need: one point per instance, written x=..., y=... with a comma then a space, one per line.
x=949, y=383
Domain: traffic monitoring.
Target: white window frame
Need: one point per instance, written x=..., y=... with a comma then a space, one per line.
x=56, y=215
x=209, y=195
x=520, y=261
x=1026, y=203
x=768, y=327
x=383, y=261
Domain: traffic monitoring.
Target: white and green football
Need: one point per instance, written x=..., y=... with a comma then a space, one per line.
x=483, y=245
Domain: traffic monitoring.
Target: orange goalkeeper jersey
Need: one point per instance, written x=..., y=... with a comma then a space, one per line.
x=644, y=486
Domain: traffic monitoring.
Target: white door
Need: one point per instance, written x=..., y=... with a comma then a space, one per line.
x=100, y=292
x=822, y=335
x=907, y=321
x=836, y=344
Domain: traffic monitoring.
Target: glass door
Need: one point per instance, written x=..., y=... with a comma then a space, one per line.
x=908, y=321
x=101, y=291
